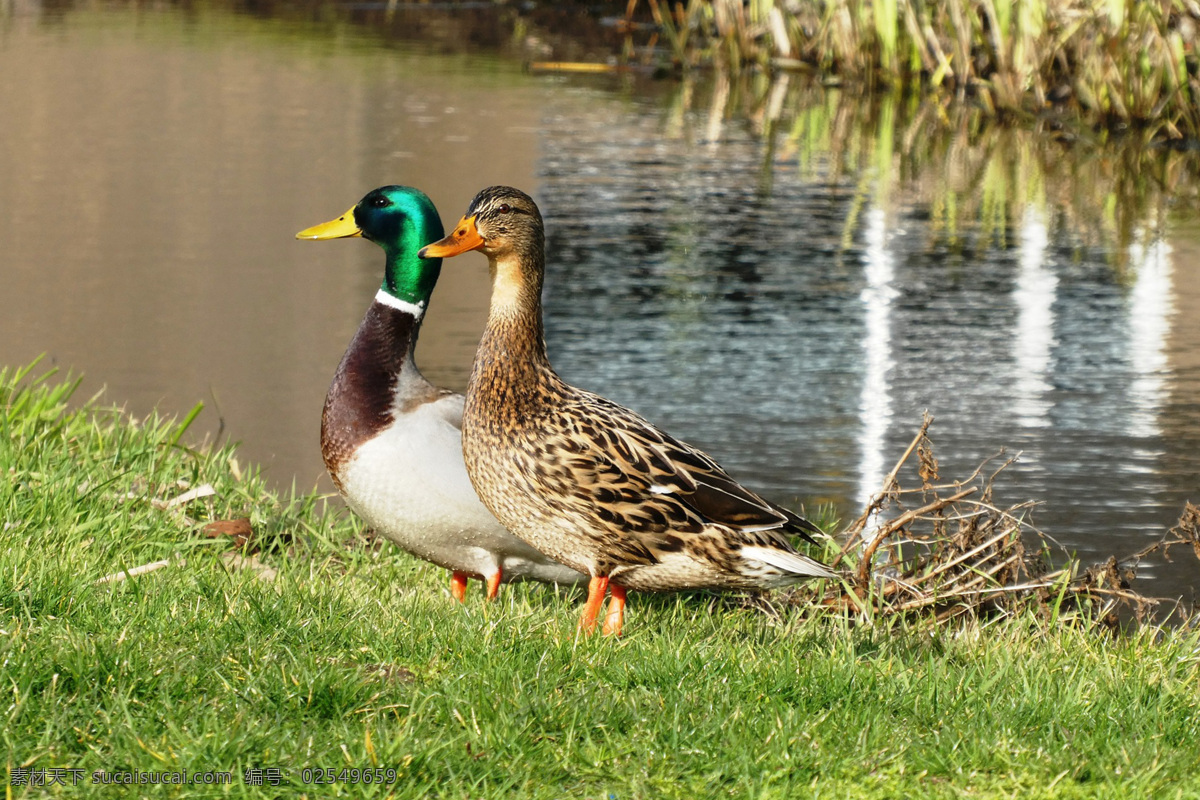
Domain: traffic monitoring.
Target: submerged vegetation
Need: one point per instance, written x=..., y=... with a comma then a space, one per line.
x=161, y=609
x=1118, y=62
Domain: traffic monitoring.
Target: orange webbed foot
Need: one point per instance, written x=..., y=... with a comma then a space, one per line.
x=597, y=587
x=614, y=620
x=493, y=585
x=458, y=586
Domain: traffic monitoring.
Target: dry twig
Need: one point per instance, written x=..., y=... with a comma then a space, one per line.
x=959, y=555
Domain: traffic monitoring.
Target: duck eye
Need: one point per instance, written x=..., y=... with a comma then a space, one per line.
x=504, y=208
x=380, y=202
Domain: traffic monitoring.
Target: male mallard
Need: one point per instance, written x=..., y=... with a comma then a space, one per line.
x=391, y=440
x=584, y=480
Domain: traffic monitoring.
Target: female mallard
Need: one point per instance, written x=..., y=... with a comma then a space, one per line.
x=391, y=440
x=584, y=480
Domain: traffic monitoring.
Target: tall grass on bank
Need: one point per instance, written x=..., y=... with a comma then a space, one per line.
x=1121, y=62
x=335, y=653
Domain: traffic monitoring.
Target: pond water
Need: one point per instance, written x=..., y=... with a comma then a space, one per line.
x=781, y=274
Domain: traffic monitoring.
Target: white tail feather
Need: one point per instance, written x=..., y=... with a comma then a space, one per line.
x=792, y=563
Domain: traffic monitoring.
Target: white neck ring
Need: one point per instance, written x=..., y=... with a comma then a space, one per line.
x=415, y=309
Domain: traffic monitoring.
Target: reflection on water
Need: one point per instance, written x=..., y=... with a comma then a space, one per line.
x=875, y=408
x=1150, y=311
x=781, y=275
x=1033, y=297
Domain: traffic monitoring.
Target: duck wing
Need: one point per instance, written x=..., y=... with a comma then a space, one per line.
x=639, y=479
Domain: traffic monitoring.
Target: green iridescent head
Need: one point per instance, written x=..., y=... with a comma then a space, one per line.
x=401, y=220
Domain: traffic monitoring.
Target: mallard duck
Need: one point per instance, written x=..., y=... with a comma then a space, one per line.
x=391, y=440
x=584, y=480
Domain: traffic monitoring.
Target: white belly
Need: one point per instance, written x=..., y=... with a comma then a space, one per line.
x=410, y=484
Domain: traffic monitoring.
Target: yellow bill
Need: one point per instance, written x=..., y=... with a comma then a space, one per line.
x=340, y=228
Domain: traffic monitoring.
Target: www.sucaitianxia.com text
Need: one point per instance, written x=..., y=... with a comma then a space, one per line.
x=253, y=776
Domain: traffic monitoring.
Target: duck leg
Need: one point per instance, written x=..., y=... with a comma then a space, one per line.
x=458, y=586
x=493, y=585
x=615, y=618
x=597, y=587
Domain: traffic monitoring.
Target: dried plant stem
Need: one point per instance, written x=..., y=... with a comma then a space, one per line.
x=981, y=567
x=864, y=565
x=117, y=577
x=970, y=554
x=980, y=577
x=888, y=482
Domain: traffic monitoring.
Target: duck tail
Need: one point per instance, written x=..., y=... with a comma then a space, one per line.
x=792, y=563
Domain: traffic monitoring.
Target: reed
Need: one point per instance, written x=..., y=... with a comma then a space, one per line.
x=1118, y=62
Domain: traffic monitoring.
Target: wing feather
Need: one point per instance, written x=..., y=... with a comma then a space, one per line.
x=654, y=483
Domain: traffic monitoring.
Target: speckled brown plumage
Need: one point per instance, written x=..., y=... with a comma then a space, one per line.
x=584, y=480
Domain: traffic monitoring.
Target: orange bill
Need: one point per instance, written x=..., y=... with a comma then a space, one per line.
x=465, y=237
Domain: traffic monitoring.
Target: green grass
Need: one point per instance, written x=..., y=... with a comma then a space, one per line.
x=356, y=656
